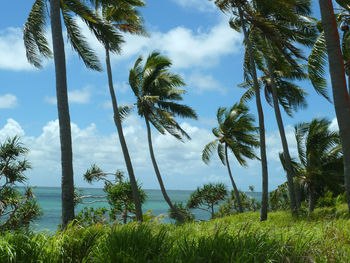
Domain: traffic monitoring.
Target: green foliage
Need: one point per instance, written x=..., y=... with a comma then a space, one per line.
x=120, y=199
x=279, y=198
x=91, y=216
x=327, y=200
x=157, y=92
x=230, y=206
x=207, y=197
x=118, y=194
x=322, y=237
x=183, y=210
x=17, y=208
x=133, y=243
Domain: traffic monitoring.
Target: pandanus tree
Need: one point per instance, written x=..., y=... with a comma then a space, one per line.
x=37, y=47
x=341, y=99
x=236, y=133
x=124, y=17
x=157, y=92
x=320, y=158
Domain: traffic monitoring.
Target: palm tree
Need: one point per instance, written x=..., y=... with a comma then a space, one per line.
x=320, y=157
x=37, y=47
x=156, y=91
x=124, y=17
x=241, y=9
x=339, y=86
x=236, y=133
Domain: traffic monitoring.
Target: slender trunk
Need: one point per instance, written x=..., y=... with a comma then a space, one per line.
x=125, y=216
x=67, y=183
x=159, y=177
x=212, y=211
x=118, y=124
x=312, y=201
x=286, y=155
x=339, y=87
x=235, y=189
x=265, y=191
x=297, y=195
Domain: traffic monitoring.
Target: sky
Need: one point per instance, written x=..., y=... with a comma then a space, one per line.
x=204, y=51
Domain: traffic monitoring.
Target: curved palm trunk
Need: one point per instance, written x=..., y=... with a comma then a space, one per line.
x=118, y=124
x=339, y=87
x=235, y=189
x=265, y=191
x=67, y=183
x=159, y=177
x=286, y=155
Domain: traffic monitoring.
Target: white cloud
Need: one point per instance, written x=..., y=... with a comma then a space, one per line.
x=334, y=125
x=199, y=83
x=200, y=5
x=81, y=96
x=180, y=163
x=8, y=101
x=185, y=47
x=12, y=51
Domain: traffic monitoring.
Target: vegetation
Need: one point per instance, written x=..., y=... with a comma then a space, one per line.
x=157, y=92
x=207, y=197
x=236, y=133
x=240, y=238
x=17, y=208
x=119, y=196
x=318, y=178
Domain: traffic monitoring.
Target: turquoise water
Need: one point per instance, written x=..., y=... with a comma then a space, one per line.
x=49, y=200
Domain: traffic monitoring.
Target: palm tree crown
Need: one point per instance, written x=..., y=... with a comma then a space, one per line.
x=157, y=93
x=236, y=132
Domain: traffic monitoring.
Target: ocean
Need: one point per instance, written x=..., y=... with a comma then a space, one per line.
x=49, y=199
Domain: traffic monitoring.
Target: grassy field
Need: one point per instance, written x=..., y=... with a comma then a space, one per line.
x=322, y=237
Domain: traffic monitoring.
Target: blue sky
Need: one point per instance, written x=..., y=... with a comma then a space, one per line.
x=204, y=50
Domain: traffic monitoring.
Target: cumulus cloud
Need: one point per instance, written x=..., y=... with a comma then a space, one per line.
x=199, y=83
x=12, y=51
x=200, y=5
x=179, y=163
x=8, y=101
x=185, y=47
x=334, y=125
x=81, y=96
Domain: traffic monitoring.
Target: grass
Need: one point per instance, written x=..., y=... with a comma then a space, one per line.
x=322, y=237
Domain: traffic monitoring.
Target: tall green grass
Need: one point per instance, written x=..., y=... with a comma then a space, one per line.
x=323, y=237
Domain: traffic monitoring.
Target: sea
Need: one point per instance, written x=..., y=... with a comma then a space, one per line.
x=49, y=199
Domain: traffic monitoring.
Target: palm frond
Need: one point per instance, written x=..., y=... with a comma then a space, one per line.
x=208, y=151
x=34, y=37
x=79, y=43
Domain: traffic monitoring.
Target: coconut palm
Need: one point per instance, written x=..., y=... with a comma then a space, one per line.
x=320, y=157
x=37, y=47
x=273, y=27
x=241, y=9
x=157, y=93
x=124, y=16
x=339, y=86
x=235, y=133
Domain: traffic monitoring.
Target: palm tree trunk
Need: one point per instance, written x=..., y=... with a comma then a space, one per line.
x=235, y=189
x=312, y=201
x=159, y=177
x=118, y=124
x=67, y=183
x=286, y=155
x=339, y=87
x=265, y=191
